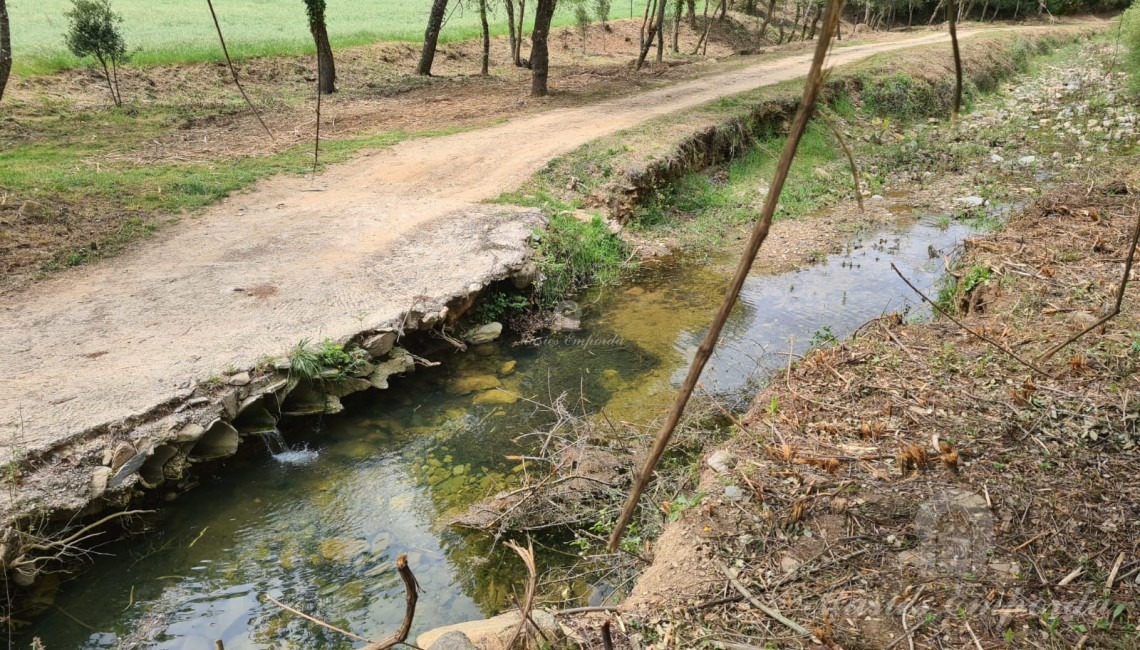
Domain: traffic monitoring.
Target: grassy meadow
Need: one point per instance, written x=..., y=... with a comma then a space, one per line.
x=174, y=31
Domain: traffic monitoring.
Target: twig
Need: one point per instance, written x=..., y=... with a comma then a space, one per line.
x=1119, y=298
x=586, y=610
x=898, y=342
x=607, y=641
x=1112, y=574
x=63, y=543
x=973, y=636
x=959, y=323
x=850, y=159
x=409, y=613
x=906, y=610
x=233, y=71
x=314, y=620
x=412, y=589
x=755, y=241
x=527, y=555
x=758, y=604
x=906, y=635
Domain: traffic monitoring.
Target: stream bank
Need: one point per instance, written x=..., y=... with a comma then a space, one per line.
x=665, y=386
x=914, y=484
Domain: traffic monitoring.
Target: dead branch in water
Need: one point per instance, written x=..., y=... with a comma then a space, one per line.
x=759, y=234
x=527, y=555
x=1013, y=355
x=401, y=635
x=1119, y=298
x=413, y=591
x=317, y=621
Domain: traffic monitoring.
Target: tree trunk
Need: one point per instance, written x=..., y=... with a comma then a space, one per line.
x=691, y=8
x=650, y=10
x=510, y=5
x=539, y=49
x=486, y=38
x=677, y=27
x=5, y=48
x=325, y=60
x=661, y=30
x=431, y=36
x=326, y=73
x=768, y=17
x=522, y=28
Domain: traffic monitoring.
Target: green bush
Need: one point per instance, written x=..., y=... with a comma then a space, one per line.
x=1130, y=34
x=574, y=254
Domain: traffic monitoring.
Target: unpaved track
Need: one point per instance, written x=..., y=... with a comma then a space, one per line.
x=97, y=345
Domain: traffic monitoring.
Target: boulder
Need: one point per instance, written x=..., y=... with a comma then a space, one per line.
x=240, y=379
x=495, y=633
x=496, y=396
x=484, y=333
x=454, y=640
x=379, y=344
x=401, y=361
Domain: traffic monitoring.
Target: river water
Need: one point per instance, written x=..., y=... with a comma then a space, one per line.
x=319, y=527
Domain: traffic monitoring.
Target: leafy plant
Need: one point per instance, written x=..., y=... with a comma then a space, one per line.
x=823, y=338
x=678, y=506
x=312, y=363
x=93, y=30
x=602, y=13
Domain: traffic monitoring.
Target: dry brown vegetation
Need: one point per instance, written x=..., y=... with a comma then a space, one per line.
x=917, y=486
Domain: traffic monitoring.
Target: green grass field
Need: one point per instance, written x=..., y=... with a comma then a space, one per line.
x=179, y=31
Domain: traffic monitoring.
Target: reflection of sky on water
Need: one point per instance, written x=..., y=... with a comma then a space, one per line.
x=842, y=293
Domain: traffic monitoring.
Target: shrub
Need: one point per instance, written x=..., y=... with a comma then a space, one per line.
x=93, y=30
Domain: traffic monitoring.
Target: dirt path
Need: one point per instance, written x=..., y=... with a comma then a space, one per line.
x=101, y=346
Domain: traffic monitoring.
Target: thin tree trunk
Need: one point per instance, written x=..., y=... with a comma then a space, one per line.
x=691, y=7
x=661, y=30
x=540, y=51
x=5, y=48
x=431, y=36
x=950, y=11
x=107, y=76
x=522, y=28
x=768, y=17
x=325, y=62
x=510, y=5
x=115, y=76
x=815, y=23
x=934, y=15
x=648, y=30
x=642, y=35
x=486, y=68
x=677, y=26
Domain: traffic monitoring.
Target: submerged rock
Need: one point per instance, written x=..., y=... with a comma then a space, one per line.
x=496, y=396
x=470, y=384
x=484, y=333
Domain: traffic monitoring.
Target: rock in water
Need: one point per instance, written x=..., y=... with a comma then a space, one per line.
x=484, y=333
x=454, y=640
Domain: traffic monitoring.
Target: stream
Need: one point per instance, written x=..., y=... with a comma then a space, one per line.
x=319, y=524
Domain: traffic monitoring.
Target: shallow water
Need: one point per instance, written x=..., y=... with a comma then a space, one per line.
x=319, y=526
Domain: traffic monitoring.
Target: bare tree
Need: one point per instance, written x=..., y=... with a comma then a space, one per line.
x=540, y=50
x=326, y=73
x=5, y=48
x=431, y=36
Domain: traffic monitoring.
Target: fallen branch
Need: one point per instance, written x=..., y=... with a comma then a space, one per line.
x=1119, y=298
x=756, y=240
x=412, y=589
x=758, y=604
x=940, y=310
x=527, y=555
x=401, y=635
x=327, y=626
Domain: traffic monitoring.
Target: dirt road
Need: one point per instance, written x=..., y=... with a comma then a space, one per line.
x=96, y=348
